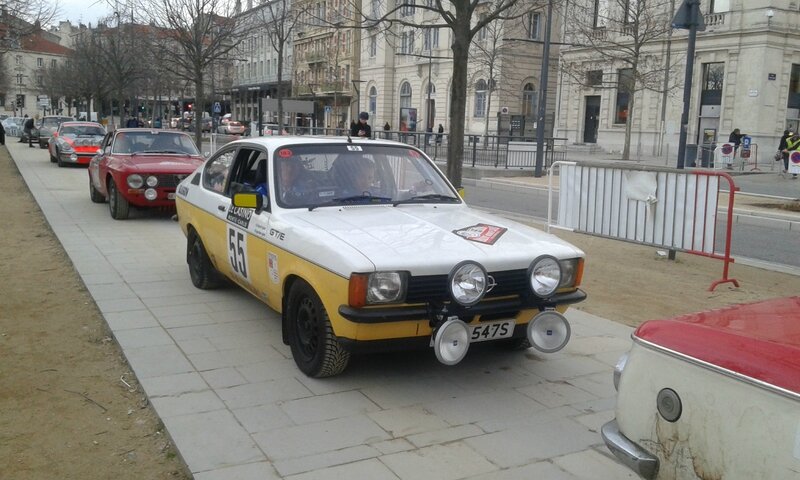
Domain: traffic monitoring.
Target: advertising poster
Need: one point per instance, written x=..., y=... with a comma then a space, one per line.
x=408, y=119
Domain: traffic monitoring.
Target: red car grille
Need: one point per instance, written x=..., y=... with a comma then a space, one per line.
x=170, y=180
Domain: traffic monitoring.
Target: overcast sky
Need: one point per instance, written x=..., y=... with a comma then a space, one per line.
x=85, y=11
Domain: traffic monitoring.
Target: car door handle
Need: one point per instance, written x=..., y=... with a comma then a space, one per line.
x=221, y=208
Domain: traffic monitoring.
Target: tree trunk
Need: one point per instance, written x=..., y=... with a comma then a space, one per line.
x=280, y=89
x=198, y=108
x=626, y=149
x=458, y=99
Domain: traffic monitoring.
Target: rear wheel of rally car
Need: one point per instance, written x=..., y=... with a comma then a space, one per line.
x=117, y=204
x=315, y=349
x=202, y=272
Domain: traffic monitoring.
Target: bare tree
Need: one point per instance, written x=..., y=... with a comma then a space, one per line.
x=83, y=74
x=626, y=35
x=487, y=54
x=279, y=20
x=464, y=18
x=193, y=35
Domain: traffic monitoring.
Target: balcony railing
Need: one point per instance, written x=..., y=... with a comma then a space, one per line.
x=326, y=88
x=714, y=19
x=313, y=58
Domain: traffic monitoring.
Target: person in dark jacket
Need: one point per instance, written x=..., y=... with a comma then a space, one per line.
x=2, y=134
x=362, y=128
x=29, y=125
x=736, y=139
x=782, y=147
x=792, y=145
x=440, y=134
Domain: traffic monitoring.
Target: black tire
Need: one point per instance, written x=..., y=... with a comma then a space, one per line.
x=61, y=164
x=52, y=158
x=315, y=349
x=94, y=195
x=203, y=274
x=117, y=204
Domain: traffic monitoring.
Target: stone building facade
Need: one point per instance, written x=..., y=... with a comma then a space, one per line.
x=746, y=76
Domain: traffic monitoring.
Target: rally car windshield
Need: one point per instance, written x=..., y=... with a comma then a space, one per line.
x=320, y=175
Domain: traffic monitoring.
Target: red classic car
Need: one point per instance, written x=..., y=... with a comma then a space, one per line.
x=141, y=167
x=75, y=142
x=714, y=394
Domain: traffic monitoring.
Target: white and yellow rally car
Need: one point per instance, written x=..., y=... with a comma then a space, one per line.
x=364, y=245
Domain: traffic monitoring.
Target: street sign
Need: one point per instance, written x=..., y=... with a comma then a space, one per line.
x=217, y=107
x=43, y=101
x=683, y=16
x=746, y=142
x=328, y=109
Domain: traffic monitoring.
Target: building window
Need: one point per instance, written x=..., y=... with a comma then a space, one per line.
x=533, y=25
x=19, y=78
x=631, y=11
x=713, y=81
x=482, y=33
x=39, y=80
x=624, y=82
x=373, y=46
x=2, y=100
x=794, y=87
x=405, y=95
x=407, y=9
x=53, y=63
x=600, y=13
x=719, y=6
x=40, y=62
x=594, y=78
x=529, y=100
x=373, y=101
x=480, y=98
x=431, y=89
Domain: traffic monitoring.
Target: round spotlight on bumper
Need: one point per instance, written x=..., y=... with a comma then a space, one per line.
x=73, y=157
x=451, y=341
x=150, y=194
x=549, y=331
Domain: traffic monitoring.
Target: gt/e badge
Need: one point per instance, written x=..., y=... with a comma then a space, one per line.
x=481, y=233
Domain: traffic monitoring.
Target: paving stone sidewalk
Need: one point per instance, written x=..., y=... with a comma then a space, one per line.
x=215, y=369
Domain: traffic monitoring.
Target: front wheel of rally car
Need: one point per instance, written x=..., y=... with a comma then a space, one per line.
x=94, y=195
x=202, y=272
x=315, y=349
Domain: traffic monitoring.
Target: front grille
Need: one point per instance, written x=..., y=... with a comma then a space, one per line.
x=433, y=288
x=169, y=181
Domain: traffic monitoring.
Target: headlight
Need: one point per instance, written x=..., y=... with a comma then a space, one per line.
x=467, y=283
x=545, y=275
x=571, y=272
x=152, y=181
x=66, y=147
x=376, y=288
x=150, y=194
x=135, y=181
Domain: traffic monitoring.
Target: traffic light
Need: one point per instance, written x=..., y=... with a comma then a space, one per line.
x=189, y=107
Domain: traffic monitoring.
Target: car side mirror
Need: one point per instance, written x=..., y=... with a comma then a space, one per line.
x=248, y=200
x=99, y=151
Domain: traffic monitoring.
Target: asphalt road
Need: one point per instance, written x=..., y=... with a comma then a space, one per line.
x=763, y=243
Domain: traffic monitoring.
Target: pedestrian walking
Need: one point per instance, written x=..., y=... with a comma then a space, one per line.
x=783, y=154
x=792, y=145
x=736, y=139
x=439, y=135
x=24, y=128
x=28, y=130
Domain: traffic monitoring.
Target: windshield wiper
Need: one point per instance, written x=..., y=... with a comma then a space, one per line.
x=351, y=199
x=165, y=151
x=423, y=198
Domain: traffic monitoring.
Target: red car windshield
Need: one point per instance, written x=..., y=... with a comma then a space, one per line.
x=81, y=131
x=154, y=142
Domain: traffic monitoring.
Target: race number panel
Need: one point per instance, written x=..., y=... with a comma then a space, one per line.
x=237, y=251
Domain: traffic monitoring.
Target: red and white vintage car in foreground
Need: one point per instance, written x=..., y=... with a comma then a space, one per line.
x=142, y=168
x=75, y=142
x=712, y=395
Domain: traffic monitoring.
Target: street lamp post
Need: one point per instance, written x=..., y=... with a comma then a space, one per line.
x=543, y=93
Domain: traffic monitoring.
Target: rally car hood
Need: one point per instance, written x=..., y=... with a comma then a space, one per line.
x=431, y=239
x=159, y=163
